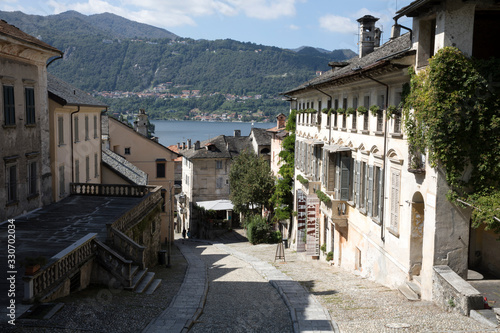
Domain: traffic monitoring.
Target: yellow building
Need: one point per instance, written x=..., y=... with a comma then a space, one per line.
x=75, y=141
x=156, y=160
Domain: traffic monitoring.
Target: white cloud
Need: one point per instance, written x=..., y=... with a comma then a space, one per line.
x=173, y=13
x=336, y=23
x=293, y=27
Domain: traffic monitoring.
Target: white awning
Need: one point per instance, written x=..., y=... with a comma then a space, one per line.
x=216, y=205
x=336, y=148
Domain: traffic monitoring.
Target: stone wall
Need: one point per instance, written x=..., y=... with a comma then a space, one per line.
x=452, y=293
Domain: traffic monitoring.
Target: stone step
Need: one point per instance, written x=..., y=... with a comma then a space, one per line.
x=415, y=287
x=139, y=275
x=408, y=292
x=487, y=317
x=145, y=282
x=417, y=279
x=153, y=286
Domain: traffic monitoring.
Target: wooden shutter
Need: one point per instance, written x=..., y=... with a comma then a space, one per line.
x=380, y=193
x=370, y=191
x=395, y=183
x=356, y=182
x=344, y=177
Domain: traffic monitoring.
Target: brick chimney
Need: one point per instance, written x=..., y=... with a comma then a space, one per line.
x=369, y=35
x=281, y=120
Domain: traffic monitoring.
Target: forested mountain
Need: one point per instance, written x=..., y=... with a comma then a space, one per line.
x=105, y=52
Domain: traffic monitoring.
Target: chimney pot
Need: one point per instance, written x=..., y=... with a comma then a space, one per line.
x=189, y=143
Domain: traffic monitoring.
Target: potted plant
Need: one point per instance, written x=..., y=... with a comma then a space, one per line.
x=362, y=110
x=33, y=264
x=350, y=110
x=374, y=109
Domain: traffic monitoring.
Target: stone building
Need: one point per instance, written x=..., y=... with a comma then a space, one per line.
x=379, y=211
x=25, y=174
x=278, y=133
x=205, y=173
x=149, y=156
x=75, y=140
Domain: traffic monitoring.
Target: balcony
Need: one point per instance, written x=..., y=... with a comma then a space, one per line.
x=95, y=226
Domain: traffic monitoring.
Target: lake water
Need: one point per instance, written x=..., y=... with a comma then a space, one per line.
x=172, y=132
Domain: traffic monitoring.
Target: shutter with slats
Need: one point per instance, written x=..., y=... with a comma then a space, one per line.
x=338, y=167
x=344, y=177
x=395, y=180
x=370, y=191
x=381, y=197
x=356, y=182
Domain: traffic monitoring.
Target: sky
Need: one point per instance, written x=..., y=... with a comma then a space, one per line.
x=326, y=24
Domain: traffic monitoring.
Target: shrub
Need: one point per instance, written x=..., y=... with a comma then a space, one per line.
x=329, y=256
x=257, y=229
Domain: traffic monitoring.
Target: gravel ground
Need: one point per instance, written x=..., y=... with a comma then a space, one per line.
x=359, y=305
x=239, y=299
x=102, y=309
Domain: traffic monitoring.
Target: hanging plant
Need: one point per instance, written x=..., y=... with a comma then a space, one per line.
x=350, y=111
x=362, y=110
x=311, y=110
x=330, y=112
x=325, y=110
x=323, y=197
x=302, y=180
x=374, y=109
x=340, y=111
x=391, y=111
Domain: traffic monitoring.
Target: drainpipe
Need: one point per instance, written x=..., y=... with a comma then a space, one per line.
x=382, y=231
x=72, y=146
x=53, y=59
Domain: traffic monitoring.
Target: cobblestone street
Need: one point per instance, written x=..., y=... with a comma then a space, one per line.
x=233, y=286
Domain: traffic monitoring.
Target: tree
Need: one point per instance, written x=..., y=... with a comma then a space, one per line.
x=252, y=183
x=282, y=198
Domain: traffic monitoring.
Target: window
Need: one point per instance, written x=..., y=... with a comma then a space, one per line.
x=60, y=130
x=11, y=183
x=9, y=109
x=95, y=127
x=160, y=170
x=355, y=114
x=32, y=179
x=395, y=184
x=380, y=121
x=29, y=95
x=86, y=128
x=76, y=134
x=335, y=113
x=61, y=181
x=164, y=202
x=96, y=166
x=343, y=175
x=187, y=180
x=127, y=150
x=366, y=104
x=77, y=171
x=87, y=168
x=218, y=182
x=218, y=164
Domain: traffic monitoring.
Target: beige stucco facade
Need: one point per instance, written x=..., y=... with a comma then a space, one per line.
x=75, y=146
x=25, y=173
x=387, y=216
x=151, y=157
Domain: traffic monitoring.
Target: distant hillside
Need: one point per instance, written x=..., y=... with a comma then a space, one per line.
x=106, y=53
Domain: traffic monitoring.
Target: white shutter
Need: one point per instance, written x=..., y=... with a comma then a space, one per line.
x=357, y=184
x=381, y=197
x=395, y=183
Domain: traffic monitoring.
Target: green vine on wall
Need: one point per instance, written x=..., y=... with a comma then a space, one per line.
x=453, y=112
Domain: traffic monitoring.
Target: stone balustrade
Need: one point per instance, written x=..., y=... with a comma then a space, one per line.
x=126, y=246
x=112, y=190
x=114, y=263
x=59, y=268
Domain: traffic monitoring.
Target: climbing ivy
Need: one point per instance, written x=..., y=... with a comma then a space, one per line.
x=452, y=112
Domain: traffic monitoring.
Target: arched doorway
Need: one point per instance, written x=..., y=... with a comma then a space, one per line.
x=417, y=234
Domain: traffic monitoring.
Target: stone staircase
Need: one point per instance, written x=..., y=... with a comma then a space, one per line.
x=143, y=281
x=411, y=289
